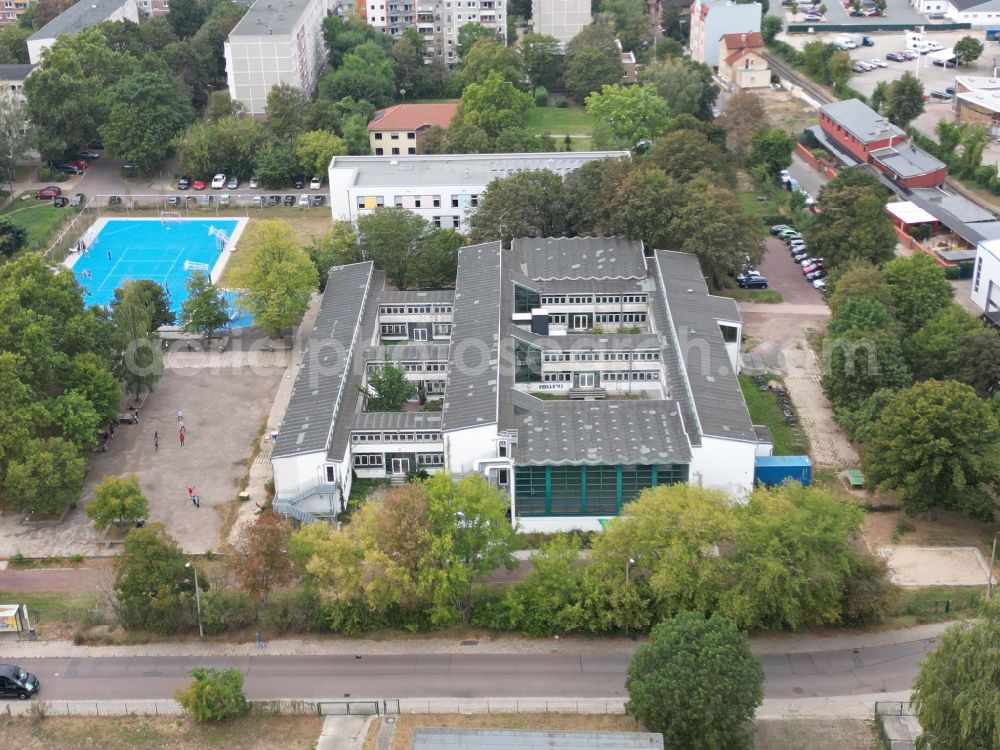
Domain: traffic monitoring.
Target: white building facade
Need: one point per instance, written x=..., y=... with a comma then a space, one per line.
x=710, y=19
x=277, y=41
x=562, y=19
x=442, y=188
x=974, y=12
x=84, y=15
x=986, y=279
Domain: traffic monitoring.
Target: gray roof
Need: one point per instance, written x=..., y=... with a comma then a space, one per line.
x=564, y=258
x=585, y=286
x=395, y=296
x=718, y=401
x=863, y=122
x=269, y=17
x=76, y=18
x=432, y=738
x=470, y=397
x=582, y=341
x=957, y=205
x=474, y=170
x=16, y=71
x=406, y=353
x=977, y=5
x=396, y=420
x=907, y=161
x=613, y=431
x=319, y=386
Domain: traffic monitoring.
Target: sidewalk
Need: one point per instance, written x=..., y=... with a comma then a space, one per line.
x=792, y=644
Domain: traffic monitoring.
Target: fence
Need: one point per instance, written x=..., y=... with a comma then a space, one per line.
x=897, y=724
x=40, y=615
x=382, y=707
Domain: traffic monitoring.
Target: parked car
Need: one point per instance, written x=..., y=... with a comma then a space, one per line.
x=257, y=201
x=114, y=200
x=298, y=182
x=77, y=200
x=289, y=200
x=218, y=182
x=819, y=273
x=174, y=200
x=909, y=54
x=872, y=12
x=951, y=62
x=254, y=183
x=205, y=200
x=856, y=14
x=274, y=200
x=69, y=169
x=303, y=201
x=198, y=184
x=319, y=200
x=15, y=682
x=184, y=183
x=801, y=256
x=60, y=201
x=80, y=164
x=752, y=282
x=813, y=18
x=233, y=183
x=809, y=269
x=950, y=90
x=89, y=155
x=811, y=262
x=933, y=46
x=942, y=95
x=877, y=63
x=778, y=228
x=48, y=193
x=896, y=57
x=820, y=284
x=788, y=233
x=316, y=183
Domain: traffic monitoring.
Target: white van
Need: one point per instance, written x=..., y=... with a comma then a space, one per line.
x=846, y=41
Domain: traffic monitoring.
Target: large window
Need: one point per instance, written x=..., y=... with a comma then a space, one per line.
x=586, y=490
x=527, y=363
x=525, y=300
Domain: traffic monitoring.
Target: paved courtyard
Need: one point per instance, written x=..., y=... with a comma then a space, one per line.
x=224, y=403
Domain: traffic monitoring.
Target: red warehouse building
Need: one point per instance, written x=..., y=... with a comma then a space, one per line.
x=864, y=136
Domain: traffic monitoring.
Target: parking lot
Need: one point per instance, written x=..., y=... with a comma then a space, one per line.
x=896, y=11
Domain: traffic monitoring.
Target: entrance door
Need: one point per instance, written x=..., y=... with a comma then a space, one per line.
x=586, y=380
x=581, y=321
x=400, y=466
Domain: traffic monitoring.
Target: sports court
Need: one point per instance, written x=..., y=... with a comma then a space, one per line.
x=166, y=250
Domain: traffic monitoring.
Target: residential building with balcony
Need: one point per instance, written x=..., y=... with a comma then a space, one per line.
x=84, y=15
x=437, y=21
x=277, y=41
x=562, y=19
x=572, y=372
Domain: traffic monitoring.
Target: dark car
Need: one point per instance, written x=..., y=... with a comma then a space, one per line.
x=289, y=200
x=47, y=193
x=895, y=57
x=298, y=182
x=752, y=282
x=319, y=200
x=184, y=183
x=951, y=62
x=89, y=155
x=778, y=228
x=174, y=200
x=819, y=273
x=950, y=90
x=14, y=681
x=60, y=201
x=69, y=169
x=273, y=200
x=77, y=200
x=114, y=200
x=942, y=95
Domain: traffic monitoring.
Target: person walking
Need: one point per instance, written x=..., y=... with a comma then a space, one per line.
x=195, y=500
x=109, y=255
x=180, y=416
x=181, y=436
x=260, y=642
x=156, y=441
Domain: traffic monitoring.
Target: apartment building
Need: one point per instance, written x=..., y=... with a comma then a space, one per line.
x=442, y=188
x=84, y=15
x=154, y=8
x=12, y=11
x=562, y=19
x=710, y=19
x=277, y=41
x=571, y=372
x=437, y=21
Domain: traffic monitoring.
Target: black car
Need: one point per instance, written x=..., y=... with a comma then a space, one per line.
x=14, y=681
x=298, y=182
x=942, y=95
x=289, y=200
x=184, y=183
x=895, y=57
x=819, y=273
x=174, y=200
x=751, y=280
x=114, y=200
x=319, y=200
x=273, y=200
x=69, y=169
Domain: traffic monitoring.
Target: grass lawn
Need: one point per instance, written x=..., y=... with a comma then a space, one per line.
x=764, y=409
x=560, y=120
x=814, y=734
x=916, y=606
x=39, y=218
x=147, y=733
x=770, y=296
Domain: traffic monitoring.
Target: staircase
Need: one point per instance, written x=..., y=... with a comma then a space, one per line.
x=287, y=506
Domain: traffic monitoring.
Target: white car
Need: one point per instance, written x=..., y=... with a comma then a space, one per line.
x=877, y=63
x=303, y=201
x=819, y=284
x=218, y=182
x=254, y=183
x=316, y=183
x=933, y=46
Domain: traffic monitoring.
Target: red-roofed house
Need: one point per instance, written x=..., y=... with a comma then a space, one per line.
x=396, y=131
x=741, y=63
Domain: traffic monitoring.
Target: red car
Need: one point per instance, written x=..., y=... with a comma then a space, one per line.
x=198, y=184
x=47, y=193
x=79, y=163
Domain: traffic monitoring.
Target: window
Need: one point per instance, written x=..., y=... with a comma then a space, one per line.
x=331, y=474
x=581, y=322
x=454, y=202
x=556, y=377
x=419, y=334
x=430, y=459
x=442, y=329
x=395, y=152
x=559, y=318
x=411, y=136
x=435, y=199
x=729, y=333
x=378, y=152
x=394, y=136
x=368, y=459
x=525, y=300
x=378, y=136
x=979, y=271
x=393, y=329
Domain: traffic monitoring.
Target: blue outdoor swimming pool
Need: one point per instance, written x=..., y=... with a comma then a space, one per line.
x=165, y=251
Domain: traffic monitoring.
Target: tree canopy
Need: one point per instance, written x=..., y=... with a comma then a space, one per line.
x=117, y=500
x=205, y=310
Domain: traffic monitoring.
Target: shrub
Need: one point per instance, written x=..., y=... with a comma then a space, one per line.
x=541, y=96
x=951, y=272
x=226, y=610
x=294, y=610
x=868, y=593
x=920, y=232
x=562, y=102
x=214, y=696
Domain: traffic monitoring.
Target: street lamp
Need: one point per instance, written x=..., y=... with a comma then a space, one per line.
x=989, y=573
x=629, y=561
x=197, y=597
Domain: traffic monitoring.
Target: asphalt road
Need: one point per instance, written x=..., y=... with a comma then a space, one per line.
x=820, y=674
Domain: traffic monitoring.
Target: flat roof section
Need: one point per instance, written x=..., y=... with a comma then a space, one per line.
x=428, y=170
x=909, y=212
x=82, y=15
x=986, y=99
x=907, y=161
x=863, y=122
x=269, y=18
x=571, y=258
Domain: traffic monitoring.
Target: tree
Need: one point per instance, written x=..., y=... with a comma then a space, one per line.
x=968, y=49
x=231, y=145
x=857, y=363
x=904, y=101
x=153, y=589
x=979, y=357
x=140, y=364
x=936, y=443
x=186, y=17
x=435, y=263
x=316, y=149
x=286, y=111
x=275, y=164
x=486, y=57
x=154, y=298
x=260, y=559
x=337, y=247
x=955, y=693
x=355, y=134
x=17, y=135
x=917, y=289
x=366, y=74
x=412, y=76
x=860, y=314
x=46, y=10
x=839, y=68
x=687, y=154
x=387, y=388
x=277, y=277
x=770, y=27
x=469, y=35
x=119, y=501
x=630, y=19
x=214, y=696
x=853, y=225
x=74, y=419
x=524, y=204
x=543, y=63
x=859, y=281
x=625, y=116
x=771, y=150
x=545, y=602
x=493, y=106
x=12, y=237
x=205, y=310
x=741, y=118
x=593, y=60
x=935, y=351
x=696, y=682
x=47, y=478
x=147, y=110
x=687, y=86
x=391, y=237
x=14, y=45
x=639, y=202
x=221, y=106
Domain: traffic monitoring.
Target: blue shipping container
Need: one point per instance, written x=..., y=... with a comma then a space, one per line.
x=771, y=470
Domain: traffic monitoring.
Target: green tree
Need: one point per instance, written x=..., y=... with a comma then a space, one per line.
x=968, y=49
x=412, y=76
x=214, y=696
x=593, y=60
x=853, y=225
x=937, y=443
x=47, y=477
x=639, y=202
x=277, y=276
x=771, y=150
x=630, y=19
x=770, y=27
x=315, y=150
x=493, y=106
x=487, y=57
x=687, y=86
x=624, y=116
x=469, y=35
x=857, y=363
x=204, y=311
x=697, y=683
x=387, y=388
x=936, y=350
x=286, y=111
x=260, y=559
x=742, y=116
x=337, y=247
x=12, y=237
x=859, y=281
x=275, y=164
x=435, y=263
x=355, y=134
x=860, y=314
x=839, y=68
x=221, y=106
x=74, y=419
x=186, y=17
x=153, y=588
x=154, y=299
x=904, y=101
x=119, y=501
x=955, y=693
x=366, y=74
x=524, y=204
x=979, y=358
x=917, y=289
x=543, y=61
x=14, y=45
x=231, y=145
x=391, y=237
x=545, y=602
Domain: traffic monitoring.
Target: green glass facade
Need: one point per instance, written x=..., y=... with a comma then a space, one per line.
x=587, y=490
